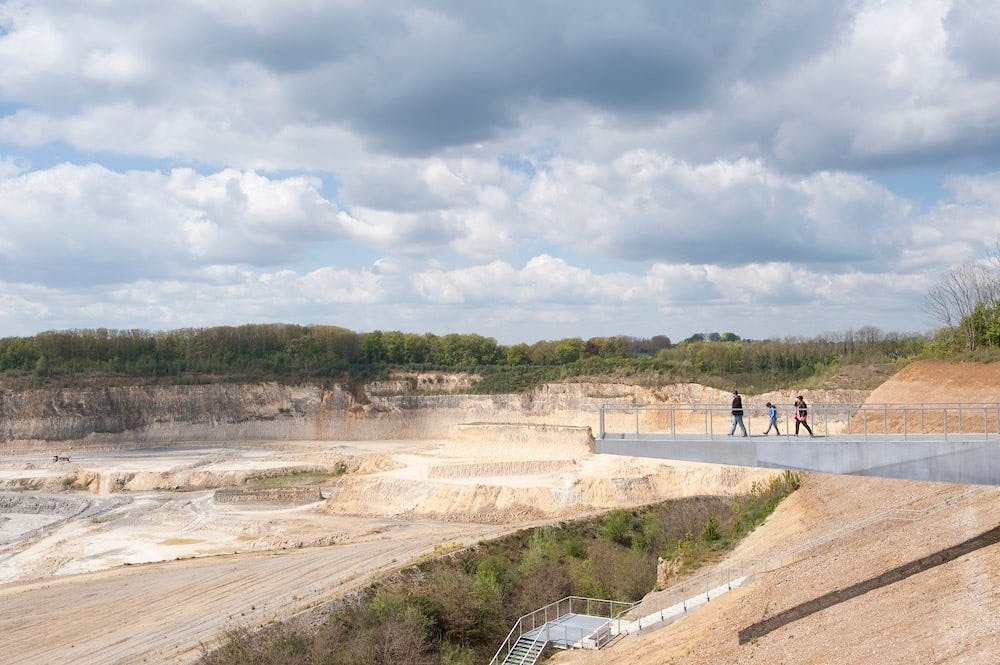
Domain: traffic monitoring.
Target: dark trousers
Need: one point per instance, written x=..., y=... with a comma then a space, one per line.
x=804, y=424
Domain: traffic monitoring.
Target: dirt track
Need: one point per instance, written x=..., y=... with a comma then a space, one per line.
x=159, y=613
x=124, y=613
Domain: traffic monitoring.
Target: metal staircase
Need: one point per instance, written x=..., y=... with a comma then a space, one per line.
x=526, y=651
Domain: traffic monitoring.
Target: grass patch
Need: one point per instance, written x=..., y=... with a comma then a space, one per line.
x=717, y=535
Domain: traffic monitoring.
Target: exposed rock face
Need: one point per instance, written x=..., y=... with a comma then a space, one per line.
x=138, y=415
x=142, y=416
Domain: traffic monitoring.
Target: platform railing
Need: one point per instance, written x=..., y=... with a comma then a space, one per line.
x=907, y=420
x=608, y=609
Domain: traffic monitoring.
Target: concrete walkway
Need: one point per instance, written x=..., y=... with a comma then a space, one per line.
x=972, y=459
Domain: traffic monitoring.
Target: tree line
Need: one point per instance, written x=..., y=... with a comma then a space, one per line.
x=297, y=353
x=965, y=301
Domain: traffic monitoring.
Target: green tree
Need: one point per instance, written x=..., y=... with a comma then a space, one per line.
x=984, y=324
x=568, y=350
x=954, y=299
x=518, y=354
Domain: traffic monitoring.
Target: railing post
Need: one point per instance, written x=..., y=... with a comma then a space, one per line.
x=601, y=422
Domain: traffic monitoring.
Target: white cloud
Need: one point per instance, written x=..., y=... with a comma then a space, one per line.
x=100, y=226
x=640, y=168
x=113, y=67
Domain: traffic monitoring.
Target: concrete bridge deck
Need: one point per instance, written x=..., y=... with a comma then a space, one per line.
x=974, y=462
x=954, y=443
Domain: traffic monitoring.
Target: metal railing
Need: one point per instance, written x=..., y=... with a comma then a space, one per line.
x=923, y=419
x=609, y=609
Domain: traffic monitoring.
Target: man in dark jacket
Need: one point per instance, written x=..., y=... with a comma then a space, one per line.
x=737, y=414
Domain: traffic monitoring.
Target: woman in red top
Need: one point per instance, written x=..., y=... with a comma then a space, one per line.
x=801, y=413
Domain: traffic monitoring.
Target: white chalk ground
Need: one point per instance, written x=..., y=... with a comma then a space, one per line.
x=80, y=530
x=53, y=530
x=128, y=516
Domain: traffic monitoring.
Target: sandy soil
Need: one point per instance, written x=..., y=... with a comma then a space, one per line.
x=131, y=557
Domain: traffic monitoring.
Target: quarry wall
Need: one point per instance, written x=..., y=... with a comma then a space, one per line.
x=413, y=407
x=140, y=416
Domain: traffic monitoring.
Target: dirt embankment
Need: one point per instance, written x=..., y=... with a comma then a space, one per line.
x=939, y=381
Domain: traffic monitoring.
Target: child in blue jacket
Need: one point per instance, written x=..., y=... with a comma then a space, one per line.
x=772, y=414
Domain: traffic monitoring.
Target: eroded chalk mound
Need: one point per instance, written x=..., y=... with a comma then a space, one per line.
x=530, y=489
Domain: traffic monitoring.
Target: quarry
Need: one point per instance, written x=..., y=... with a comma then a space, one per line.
x=137, y=524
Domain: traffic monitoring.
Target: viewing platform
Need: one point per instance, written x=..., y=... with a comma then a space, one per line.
x=954, y=443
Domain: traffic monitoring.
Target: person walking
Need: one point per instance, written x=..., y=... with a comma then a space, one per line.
x=772, y=414
x=737, y=414
x=801, y=414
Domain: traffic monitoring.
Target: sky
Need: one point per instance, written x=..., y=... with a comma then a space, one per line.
x=520, y=170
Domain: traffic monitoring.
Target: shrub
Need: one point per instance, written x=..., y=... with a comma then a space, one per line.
x=619, y=527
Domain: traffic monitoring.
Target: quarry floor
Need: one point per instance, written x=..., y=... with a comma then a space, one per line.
x=125, y=557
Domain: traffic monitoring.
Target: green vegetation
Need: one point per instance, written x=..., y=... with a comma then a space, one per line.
x=296, y=354
x=456, y=609
x=966, y=301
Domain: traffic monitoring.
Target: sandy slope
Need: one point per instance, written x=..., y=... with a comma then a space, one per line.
x=946, y=614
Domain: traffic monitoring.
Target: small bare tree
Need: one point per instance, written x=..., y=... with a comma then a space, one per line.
x=953, y=300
